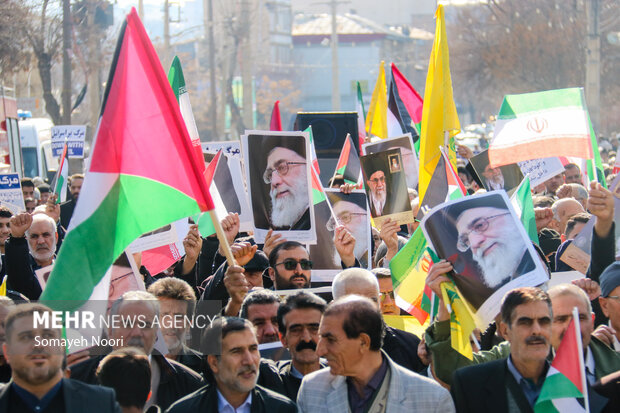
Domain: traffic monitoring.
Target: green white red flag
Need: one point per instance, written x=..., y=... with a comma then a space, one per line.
x=565, y=389
x=62, y=177
x=361, y=116
x=143, y=172
x=539, y=125
x=349, y=165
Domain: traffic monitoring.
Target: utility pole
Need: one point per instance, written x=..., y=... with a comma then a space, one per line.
x=166, y=58
x=246, y=61
x=593, y=62
x=208, y=17
x=66, y=62
x=334, y=45
x=94, y=60
x=141, y=9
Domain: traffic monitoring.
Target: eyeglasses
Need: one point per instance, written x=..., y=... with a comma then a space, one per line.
x=383, y=295
x=377, y=180
x=614, y=297
x=291, y=264
x=281, y=167
x=479, y=226
x=343, y=219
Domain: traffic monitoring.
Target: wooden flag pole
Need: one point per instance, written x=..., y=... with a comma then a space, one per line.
x=222, y=238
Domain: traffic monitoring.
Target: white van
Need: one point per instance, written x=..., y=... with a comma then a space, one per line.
x=36, y=139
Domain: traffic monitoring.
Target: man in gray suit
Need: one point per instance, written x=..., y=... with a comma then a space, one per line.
x=361, y=377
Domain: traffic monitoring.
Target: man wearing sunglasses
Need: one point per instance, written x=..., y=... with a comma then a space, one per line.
x=488, y=232
x=289, y=266
x=286, y=173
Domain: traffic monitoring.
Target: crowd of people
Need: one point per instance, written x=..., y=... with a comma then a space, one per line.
x=337, y=352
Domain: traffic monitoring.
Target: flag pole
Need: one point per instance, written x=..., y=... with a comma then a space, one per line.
x=222, y=238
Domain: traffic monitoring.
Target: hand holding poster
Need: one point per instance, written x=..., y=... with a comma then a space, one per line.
x=386, y=187
x=488, y=247
x=277, y=170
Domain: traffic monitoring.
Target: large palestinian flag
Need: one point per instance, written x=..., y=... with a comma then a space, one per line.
x=143, y=173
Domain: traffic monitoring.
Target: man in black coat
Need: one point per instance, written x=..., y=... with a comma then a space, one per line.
x=67, y=208
x=234, y=366
x=37, y=383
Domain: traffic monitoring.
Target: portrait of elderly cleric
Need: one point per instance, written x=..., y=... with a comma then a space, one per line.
x=386, y=190
x=506, y=177
x=277, y=172
x=481, y=237
x=408, y=156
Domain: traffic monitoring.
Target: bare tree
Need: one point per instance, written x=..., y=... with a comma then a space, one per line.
x=14, y=54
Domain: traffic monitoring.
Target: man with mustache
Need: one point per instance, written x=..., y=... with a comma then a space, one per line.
x=37, y=383
x=299, y=317
x=234, y=368
x=31, y=245
x=286, y=173
x=169, y=380
x=514, y=383
x=488, y=231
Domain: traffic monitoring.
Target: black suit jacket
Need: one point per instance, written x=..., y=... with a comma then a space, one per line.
x=205, y=400
x=402, y=347
x=78, y=397
x=483, y=388
x=66, y=212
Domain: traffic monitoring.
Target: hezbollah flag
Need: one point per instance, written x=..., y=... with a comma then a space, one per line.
x=564, y=389
x=440, y=122
x=349, y=162
x=143, y=172
x=541, y=124
x=462, y=323
x=376, y=120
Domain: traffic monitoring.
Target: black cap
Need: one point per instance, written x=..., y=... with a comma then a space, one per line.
x=258, y=263
x=549, y=240
x=610, y=279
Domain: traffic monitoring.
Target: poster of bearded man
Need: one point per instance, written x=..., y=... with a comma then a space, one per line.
x=277, y=171
x=484, y=240
x=506, y=177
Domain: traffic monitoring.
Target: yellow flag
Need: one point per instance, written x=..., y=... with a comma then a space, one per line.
x=438, y=111
x=462, y=322
x=3, y=287
x=376, y=119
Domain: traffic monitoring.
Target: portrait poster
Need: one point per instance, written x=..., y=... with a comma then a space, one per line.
x=506, y=177
x=277, y=171
x=491, y=253
x=407, y=151
x=386, y=187
x=231, y=189
x=350, y=210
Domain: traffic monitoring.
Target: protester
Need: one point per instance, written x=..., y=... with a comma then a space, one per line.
x=30, y=204
x=553, y=183
x=261, y=309
x=299, y=317
x=386, y=291
x=6, y=305
x=31, y=245
x=66, y=208
x=234, y=367
x=37, y=383
x=5, y=231
x=610, y=303
x=177, y=301
x=27, y=188
x=45, y=191
x=572, y=174
x=563, y=210
x=128, y=372
x=169, y=380
x=361, y=377
x=400, y=345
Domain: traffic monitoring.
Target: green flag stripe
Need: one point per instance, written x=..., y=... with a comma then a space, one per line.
x=558, y=386
x=124, y=214
x=521, y=105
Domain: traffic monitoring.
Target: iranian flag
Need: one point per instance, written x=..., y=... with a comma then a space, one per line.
x=143, y=173
x=62, y=177
x=349, y=163
x=361, y=116
x=539, y=125
x=564, y=389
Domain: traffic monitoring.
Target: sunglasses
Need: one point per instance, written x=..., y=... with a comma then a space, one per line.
x=291, y=264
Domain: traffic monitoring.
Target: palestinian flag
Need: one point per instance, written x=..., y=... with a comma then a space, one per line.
x=541, y=124
x=349, y=162
x=62, y=177
x=276, y=121
x=315, y=160
x=524, y=207
x=395, y=123
x=409, y=103
x=318, y=194
x=564, y=389
x=143, y=172
x=361, y=116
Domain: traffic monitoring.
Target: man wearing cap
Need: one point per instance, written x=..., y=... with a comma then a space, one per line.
x=610, y=301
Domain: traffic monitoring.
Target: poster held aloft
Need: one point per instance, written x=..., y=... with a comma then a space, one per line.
x=488, y=247
x=11, y=195
x=386, y=187
x=407, y=151
x=277, y=171
x=73, y=135
x=506, y=177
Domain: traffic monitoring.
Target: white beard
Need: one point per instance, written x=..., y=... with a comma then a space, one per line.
x=286, y=211
x=500, y=263
x=173, y=343
x=39, y=256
